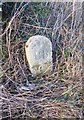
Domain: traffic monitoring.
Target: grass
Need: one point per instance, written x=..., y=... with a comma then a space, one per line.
x=59, y=94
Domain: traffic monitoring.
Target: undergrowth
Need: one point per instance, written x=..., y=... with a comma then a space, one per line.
x=58, y=95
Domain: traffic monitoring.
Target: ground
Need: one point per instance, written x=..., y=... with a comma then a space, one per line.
x=59, y=94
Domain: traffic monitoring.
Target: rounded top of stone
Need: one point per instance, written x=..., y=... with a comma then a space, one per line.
x=37, y=38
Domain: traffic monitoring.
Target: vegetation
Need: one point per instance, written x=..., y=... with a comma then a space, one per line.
x=58, y=95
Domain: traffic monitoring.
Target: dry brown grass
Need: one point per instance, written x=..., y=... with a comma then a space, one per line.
x=58, y=95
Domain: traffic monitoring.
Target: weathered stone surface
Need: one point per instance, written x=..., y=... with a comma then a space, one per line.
x=39, y=54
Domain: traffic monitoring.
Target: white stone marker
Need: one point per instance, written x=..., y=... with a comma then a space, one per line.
x=39, y=54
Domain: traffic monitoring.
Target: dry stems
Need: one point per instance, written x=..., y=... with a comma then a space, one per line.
x=58, y=95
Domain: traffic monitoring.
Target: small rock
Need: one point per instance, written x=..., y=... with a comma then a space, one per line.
x=27, y=87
